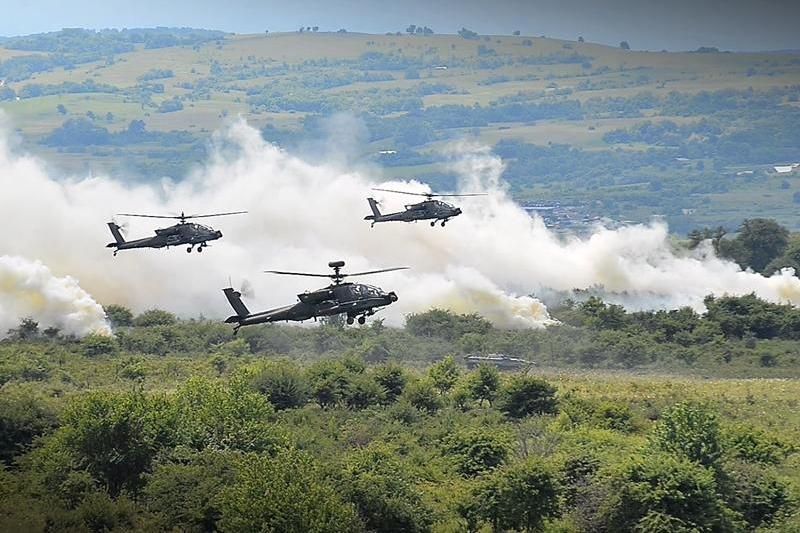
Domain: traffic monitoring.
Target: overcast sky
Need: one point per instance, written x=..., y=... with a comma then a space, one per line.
x=646, y=24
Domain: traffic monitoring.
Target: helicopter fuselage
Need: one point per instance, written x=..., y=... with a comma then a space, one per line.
x=434, y=210
x=186, y=233
x=352, y=299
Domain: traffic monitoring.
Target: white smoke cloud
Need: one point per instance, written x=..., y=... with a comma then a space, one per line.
x=29, y=289
x=303, y=215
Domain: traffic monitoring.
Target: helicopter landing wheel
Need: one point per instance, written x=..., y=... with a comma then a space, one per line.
x=189, y=250
x=433, y=223
x=200, y=249
x=362, y=320
x=443, y=222
x=350, y=320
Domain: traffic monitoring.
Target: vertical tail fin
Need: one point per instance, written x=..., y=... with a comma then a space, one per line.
x=235, y=299
x=374, y=206
x=116, y=233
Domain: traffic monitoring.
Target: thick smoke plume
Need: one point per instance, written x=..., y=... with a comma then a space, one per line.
x=489, y=260
x=29, y=289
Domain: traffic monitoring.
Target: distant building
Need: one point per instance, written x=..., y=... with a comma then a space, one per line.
x=785, y=169
x=503, y=362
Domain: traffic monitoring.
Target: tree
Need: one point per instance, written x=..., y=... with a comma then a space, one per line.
x=518, y=497
x=762, y=241
x=580, y=39
x=284, y=493
x=525, y=395
x=483, y=382
x=118, y=316
x=444, y=374
x=411, y=29
x=691, y=431
x=315, y=29
x=517, y=32
x=28, y=329
x=61, y=109
x=624, y=45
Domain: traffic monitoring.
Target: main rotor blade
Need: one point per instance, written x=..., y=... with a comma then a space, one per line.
x=146, y=216
x=431, y=194
x=405, y=192
x=215, y=214
x=376, y=271
x=285, y=273
x=466, y=194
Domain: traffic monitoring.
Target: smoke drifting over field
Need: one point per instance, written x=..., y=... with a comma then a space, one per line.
x=29, y=289
x=301, y=216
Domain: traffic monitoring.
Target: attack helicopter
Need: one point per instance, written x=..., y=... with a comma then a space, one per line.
x=181, y=233
x=353, y=299
x=428, y=209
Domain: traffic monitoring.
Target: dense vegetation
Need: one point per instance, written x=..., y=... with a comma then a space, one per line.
x=178, y=425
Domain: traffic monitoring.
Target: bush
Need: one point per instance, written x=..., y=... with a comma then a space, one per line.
x=422, y=395
x=518, y=497
x=94, y=345
x=661, y=489
x=23, y=418
x=154, y=317
x=524, y=395
x=476, y=451
x=284, y=493
x=384, y=491
x=753, y=491
x=283, y=384
x=118, y=316
x=691, y=431
x=392, y=377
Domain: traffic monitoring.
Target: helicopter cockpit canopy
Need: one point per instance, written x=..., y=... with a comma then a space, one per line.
x=360, y=290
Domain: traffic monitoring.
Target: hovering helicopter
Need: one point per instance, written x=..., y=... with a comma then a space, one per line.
x=354, y=299
x=428, y=209
x=181, y=233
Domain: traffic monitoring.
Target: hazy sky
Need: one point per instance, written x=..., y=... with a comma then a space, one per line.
x=646, y=24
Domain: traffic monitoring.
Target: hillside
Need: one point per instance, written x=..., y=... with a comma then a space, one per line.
x=617, y=133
